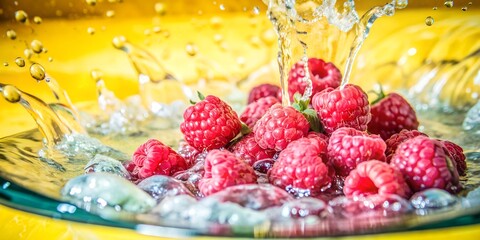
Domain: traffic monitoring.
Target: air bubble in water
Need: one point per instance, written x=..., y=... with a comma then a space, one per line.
x=5, y=64
x=91, y=2
x=464, y=8
x=160, y=8
x=37, y=19
x=37, y=71
x=110, y=13
x=119, y=42
x=429, y=21
x=20, y=62
x=21, y=16
x=448, y=3
x=36, y=46
x=28, y=53
x=91, y=30
x=11, y=94
x=434, y=8
x=11, y=34
x=50, y=59
x=222, y=7
x=191, y=49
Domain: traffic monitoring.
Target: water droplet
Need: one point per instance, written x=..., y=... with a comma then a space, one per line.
x=191, y=49
x=434, y=8
x=160, y=8
x=256, y=10
x=36, y=46
x=464, y=8
x=222, y=7
x=20, y=62
x=269, y=37
x=216, y=22
x=401, y=4
x=11, y=34
x=11, y=94
x=157, y=29
x=429, y=21
x=241, y=61
x=218, y=38
x=21, y=16
x=91, y=30
x=91, y=2
x=37, y=19
x=45, y=50
x=5, y=64
x=50, y=59
x=96, y=74
x=119, y=41
x=448, y=3
x=28, y=53
x=255, y=41
x=110, y=13
x=37, y=71
x=469, y=3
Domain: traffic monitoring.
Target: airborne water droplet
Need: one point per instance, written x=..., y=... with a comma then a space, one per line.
x=50, y=59
x=37, y=71
x=91, y=2
x=91, y=30
x=11, y=34
x=464, y=8
x=11, y=94
x=5, y=64
x=119, y=42
x=21, y=16
x=429, y=21
x=36, y=46
x=160, y=9
x=20, y=62
x=191, y=49
x=96, y=74
x=217, y=38
x=256, y=10
x=434, y=8
x=448, y=3
x=216, y=22
x=37, y=19
x=28, y=53
x=110, y=13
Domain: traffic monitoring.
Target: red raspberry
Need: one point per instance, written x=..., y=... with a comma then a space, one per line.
x=155, y=158
x=348, y=147
x=301, y=166
x=425, y=164
x=280, y=126
x=390, y=115
x=347, y=107
x=398, y=138
x=455, y=153
x=223, y=169
x=248, y=150
x=322, y=74
x=210, y=124
x=375, y=177
x=255, y=110
x=317, y=135
x=264, y=90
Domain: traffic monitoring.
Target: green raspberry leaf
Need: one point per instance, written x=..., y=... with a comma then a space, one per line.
x=313, y=120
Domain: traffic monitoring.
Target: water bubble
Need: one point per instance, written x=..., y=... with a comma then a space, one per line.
x=156, y=29
x=255, y=41
x=464, y=8
x=20, y=62
x=429, y=21
x=191, y=49
x=222, y=7
x=469, y=3
x=110, y=13
x=269, y=37
x=160, y=8
x=434, y=8
x=401, y=4
x=45, y=50
x=241, y=61
x=5, y=64
x=21, y=16
x=36, y=46
x=119, y=42
x=11, y=34
x=37, y=71
x=91, y=30
x=28, y=53
x=217, y=38
x=256, y=10
x=216, y=22
x=37, y=19
x=448, y=3
x=11, y=94
x=91, y=2
x=50, y=59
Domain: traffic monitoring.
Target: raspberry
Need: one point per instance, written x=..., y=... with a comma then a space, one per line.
x=248, y=150
x=347, y=147
x=223, y=169
x=398, y=138
x=255, y=110
x=322, y=74
x=390, y=115
x=301, y=166
x=425, y=164
x=210, y=124
x=375, y=177
x=317, y=135
x=455, y=153
x=342, y=107
x=265, y=90
x=153, y=157
x=280, y=126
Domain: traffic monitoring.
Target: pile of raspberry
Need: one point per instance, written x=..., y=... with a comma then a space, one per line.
x=334, y=143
